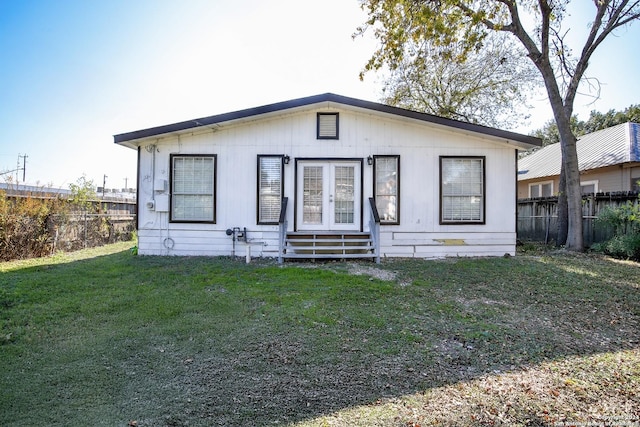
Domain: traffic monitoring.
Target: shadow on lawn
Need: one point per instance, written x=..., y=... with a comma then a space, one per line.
x=455, y=321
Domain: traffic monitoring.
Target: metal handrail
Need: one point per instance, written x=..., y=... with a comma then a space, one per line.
x=374, y=228
x=282, y=228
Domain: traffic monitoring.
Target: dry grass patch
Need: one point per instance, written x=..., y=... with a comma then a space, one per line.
x=597, y=390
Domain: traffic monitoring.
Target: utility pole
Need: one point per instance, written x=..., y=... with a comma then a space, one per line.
x=104, y=183
x=125, y=185
x=24, y=167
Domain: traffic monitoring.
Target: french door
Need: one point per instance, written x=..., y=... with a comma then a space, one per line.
x=329, y=195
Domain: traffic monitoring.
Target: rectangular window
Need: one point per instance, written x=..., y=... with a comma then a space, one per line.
x=462, y=190
x=541, y=189
x=386, y=188
x=270, y=188
x=193, y=188
x=589, y=187
x=327, y=126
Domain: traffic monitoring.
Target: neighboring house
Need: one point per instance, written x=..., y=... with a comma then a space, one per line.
x=345, y=177
x=609, y=161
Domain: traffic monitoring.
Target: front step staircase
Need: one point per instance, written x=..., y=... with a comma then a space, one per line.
x=328, y=245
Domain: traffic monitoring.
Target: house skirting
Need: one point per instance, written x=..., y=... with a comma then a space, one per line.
x=264, y=243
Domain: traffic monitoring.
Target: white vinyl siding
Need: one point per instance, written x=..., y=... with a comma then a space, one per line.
x=269, y=189
x=193, y=188
x=462, y=190
x=386, y=190
x=237, y=146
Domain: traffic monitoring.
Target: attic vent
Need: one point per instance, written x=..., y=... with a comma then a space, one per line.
x=327, y=125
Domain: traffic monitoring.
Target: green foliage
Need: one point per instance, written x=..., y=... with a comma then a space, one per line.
x=549, y=132
x=406, y=29
x=404, y=26
x=596, y=121
x=83, y=194
x=623, y=246
x=488, y=88
x=625, y=221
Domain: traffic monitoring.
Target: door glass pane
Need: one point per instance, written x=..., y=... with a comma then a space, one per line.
x=344, y=194
x=312, y=197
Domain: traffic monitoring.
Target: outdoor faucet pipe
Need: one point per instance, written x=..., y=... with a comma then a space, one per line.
x=237, y=233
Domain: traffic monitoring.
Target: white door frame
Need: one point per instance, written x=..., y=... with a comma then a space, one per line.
x=327, y=217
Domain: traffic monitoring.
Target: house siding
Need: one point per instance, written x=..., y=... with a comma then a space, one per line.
x=362, y=134
x=610, y=179
x=609, y=156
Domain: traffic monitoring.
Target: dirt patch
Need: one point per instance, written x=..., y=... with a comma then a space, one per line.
x=359, y=269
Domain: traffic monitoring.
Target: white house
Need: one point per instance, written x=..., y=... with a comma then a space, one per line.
x=326, y=176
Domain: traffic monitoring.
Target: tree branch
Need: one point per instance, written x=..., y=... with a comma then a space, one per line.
x=619, y=15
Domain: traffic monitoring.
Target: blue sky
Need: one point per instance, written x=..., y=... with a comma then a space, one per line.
x=74, y=73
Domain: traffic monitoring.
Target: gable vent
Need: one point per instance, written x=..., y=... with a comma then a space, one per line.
x=327, y=125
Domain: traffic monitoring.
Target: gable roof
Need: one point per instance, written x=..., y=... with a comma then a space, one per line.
x=615, y=145
x=127, y=139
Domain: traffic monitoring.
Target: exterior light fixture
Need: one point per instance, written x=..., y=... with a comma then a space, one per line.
x=369, y=160
x=287, y=159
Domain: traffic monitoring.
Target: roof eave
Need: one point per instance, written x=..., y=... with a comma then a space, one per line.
x=521, y=141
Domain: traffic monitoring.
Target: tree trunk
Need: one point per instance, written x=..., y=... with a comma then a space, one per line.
x=563, y=212
x=572, y=184
x=571, y=188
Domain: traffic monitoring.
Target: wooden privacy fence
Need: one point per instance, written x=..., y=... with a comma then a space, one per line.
x=538, y=218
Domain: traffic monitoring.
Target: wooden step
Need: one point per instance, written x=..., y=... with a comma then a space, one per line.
x=328, y=245
x=327, y=256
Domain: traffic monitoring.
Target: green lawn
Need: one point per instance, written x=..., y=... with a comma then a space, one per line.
x=103, y=337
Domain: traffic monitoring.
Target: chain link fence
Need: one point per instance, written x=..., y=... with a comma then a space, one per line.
x=77, y=231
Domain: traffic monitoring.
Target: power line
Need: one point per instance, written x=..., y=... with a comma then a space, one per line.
x=18, y=168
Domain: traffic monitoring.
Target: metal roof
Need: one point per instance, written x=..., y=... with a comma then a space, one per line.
x=129, y=138
x=615, y=145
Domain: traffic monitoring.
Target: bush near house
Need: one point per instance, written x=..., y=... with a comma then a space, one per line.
x=23, y=226
x=625, y=221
